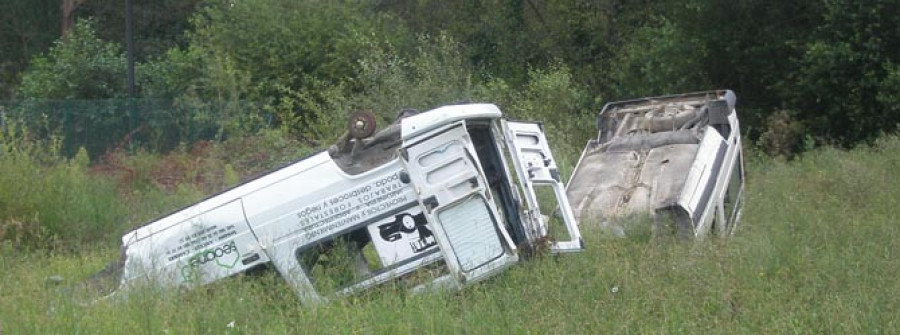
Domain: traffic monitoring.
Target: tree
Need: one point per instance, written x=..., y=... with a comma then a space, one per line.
x=27, y=28
x=277, y=51
x=844, y=83
x=68, y=14
x=159, y=25
x=82, y=66
x=658, y=58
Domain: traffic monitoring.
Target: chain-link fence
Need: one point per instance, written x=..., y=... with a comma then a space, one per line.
x=155, y=124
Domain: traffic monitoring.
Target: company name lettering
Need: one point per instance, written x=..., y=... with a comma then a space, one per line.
x=210, y=255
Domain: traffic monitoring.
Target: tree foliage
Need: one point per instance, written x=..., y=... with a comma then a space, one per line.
x=825, y=70
x=506, y=38
x=82, y=66
x=283, y=43
x=27, y=28
x=845, y=82
x=158, y=25
x=647, y=64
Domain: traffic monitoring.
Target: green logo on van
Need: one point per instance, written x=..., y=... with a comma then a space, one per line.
x=225, y=256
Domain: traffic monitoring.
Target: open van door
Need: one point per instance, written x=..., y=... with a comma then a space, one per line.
x=536, y=168
x=451, y=188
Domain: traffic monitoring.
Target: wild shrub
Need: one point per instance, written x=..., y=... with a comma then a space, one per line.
x=49, y=201
x=152, y=184
x=783, y=135
x=388, y=81
x=437, y=74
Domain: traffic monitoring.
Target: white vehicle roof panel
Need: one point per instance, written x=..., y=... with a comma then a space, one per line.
x=423, y=122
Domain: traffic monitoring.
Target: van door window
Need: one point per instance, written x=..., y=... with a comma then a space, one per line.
x=453, y=193
x=535, y=166
x=370, y=255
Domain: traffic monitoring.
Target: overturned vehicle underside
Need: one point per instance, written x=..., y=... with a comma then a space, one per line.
x=676, y=158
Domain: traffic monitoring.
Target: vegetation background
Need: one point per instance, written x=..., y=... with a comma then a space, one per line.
x=228, y=89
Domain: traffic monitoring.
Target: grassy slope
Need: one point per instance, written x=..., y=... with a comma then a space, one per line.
x=817, y=252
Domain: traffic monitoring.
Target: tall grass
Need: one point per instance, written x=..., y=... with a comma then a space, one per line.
x=817, y=252
x=49, y=200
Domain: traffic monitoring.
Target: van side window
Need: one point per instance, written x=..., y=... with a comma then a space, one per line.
x=342, y=261
x=380, y=249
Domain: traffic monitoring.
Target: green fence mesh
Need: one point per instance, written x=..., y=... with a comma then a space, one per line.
x=155, y=124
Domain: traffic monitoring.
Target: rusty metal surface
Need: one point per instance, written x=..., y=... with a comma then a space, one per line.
x=641, y=157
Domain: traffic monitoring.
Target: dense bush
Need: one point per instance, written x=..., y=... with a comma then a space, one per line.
x=646, y=66
x=844, y=84
x=437, y=74
x=833, y=63
x=552, y=97
x=287, y=55
x=78, y=90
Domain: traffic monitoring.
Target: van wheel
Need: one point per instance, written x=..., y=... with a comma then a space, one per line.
x=361, y=124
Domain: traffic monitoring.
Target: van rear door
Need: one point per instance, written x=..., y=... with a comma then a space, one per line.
x=537, y=169
x=452, y=190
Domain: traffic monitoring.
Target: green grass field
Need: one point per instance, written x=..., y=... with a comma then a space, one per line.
x=817, y=252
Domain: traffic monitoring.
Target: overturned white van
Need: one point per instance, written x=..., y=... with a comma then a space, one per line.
x=677, y=158
x=429, y=199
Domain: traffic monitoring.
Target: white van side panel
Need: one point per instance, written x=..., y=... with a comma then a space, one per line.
x=240, y=191
x=699, y=195
x=322, y=201
x=202, y=249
